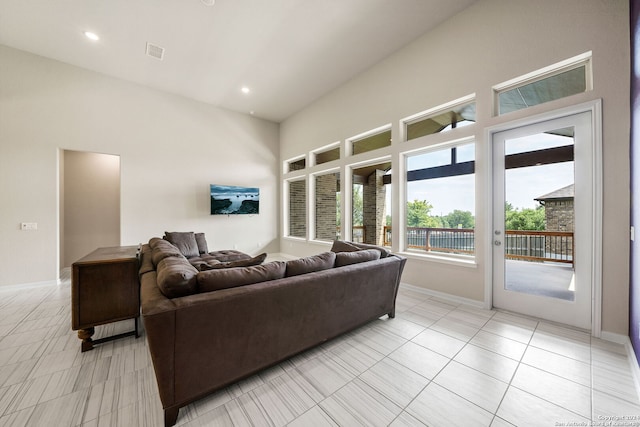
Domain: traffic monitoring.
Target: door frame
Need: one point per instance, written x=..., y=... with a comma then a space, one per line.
x=595, y=108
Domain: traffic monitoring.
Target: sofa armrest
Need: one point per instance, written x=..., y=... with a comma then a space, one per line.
x=159, y=318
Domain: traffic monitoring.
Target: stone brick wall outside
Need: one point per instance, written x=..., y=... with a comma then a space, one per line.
x=374, y=199
x=559, y=216
x=326, y=206
x=298, y=208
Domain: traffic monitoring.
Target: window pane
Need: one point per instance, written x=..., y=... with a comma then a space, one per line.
x=466, y=153
x=372, y=142
x=540, y=141
x=327, y=156
x=441, y=201
x=298, y=209
x=370, y=203
x=327, y=206
x=357, y=217
x=297, y=165
x=544, y=90
x=429, y=160
x=462, y=115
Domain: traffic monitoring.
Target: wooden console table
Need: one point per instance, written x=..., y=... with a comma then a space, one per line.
x=105, y=288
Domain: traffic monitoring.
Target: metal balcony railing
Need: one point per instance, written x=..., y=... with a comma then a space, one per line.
x=556, y=246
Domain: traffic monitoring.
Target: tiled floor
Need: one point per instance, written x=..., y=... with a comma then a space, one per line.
x=437, y=364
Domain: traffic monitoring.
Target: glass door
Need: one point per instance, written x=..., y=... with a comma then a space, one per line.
x=542, y=223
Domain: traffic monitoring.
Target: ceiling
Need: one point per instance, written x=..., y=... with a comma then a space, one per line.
x=287, y=52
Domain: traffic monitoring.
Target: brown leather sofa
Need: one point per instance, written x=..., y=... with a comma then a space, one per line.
x=236, y=321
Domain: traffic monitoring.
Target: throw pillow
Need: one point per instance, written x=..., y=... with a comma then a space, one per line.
x=184, y=241
x=323, y=261
x=342, y=246
x=176, y=277
x=384, y=252
x=347, y=258
x=225, y=278
x=214, y=264
x=204, y=265
x=201, y=241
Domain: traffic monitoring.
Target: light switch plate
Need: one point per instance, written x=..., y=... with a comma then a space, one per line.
x=29, y=226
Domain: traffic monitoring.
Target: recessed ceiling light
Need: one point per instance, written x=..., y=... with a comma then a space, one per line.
x=245, y=89
x=91, y=36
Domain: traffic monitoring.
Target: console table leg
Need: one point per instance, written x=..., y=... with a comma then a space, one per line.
x=85, y=335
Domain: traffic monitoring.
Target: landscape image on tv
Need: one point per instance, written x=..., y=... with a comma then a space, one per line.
x=232, y=200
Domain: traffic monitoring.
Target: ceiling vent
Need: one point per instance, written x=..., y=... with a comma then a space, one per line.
x=155, y=51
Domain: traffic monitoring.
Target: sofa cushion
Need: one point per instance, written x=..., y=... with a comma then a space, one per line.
x=215, y=264
x=347, y=258
x=176, y=277
x=161, y=249
x=342, y=246
x=224, y=278
x=323, y=261
x=226, y=255
x=201, y=241
x=185, y=241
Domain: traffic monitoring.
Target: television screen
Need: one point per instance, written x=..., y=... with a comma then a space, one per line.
x=232, y=200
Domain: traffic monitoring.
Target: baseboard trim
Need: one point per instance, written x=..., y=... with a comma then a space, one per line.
x=281, y=256
x=443, y=295
x=631, y=356
x=30, y=285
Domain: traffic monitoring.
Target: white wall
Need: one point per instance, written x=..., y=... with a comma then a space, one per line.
x=490, y=42
x=171, y=148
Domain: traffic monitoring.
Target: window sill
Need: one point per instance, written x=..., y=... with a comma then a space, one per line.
x=461, y=260
x=295, y=239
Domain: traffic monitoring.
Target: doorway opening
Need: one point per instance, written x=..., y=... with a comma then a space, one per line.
x=546, y=217
x=89, y=203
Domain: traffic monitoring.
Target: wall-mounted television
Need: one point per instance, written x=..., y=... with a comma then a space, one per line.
x=233, y=200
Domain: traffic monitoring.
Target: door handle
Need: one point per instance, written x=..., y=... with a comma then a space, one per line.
x=497, y=242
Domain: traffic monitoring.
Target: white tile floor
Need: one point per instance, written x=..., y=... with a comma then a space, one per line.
x=437, y=364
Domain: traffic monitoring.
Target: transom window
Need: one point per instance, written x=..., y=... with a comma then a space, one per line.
x=441, y=121
x=558, y=81
x=371, y=142
x=296, y=164
x=327, y=154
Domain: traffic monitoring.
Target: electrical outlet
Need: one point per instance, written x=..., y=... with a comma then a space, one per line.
x=28, y=226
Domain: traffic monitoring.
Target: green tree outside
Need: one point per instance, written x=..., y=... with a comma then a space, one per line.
x=358, y=205
x=524, y=219
x=458, y=219
x=418, y=215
